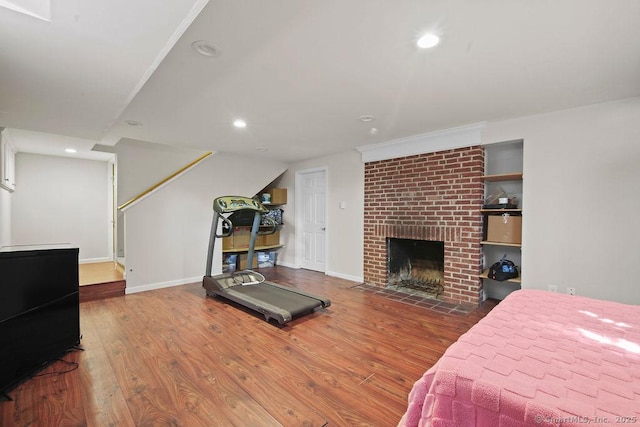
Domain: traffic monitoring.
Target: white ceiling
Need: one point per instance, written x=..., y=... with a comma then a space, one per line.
x=301, y=72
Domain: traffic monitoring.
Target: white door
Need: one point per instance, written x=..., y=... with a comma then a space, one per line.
x=313, y=220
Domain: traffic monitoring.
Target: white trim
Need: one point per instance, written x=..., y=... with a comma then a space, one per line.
x=463, y=136
x=345, y=276
x=299, y=210
x=111, y=207
x=92, y=260
x=160, y=285
x=288, y=264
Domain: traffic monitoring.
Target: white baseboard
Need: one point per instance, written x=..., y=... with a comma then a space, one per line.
x=160, y=285
x=152, y=286
x=328, y=273
x=287, y=264
x=345, y=276
x=92, y=260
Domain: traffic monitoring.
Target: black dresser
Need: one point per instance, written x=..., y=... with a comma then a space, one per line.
x=39, y=308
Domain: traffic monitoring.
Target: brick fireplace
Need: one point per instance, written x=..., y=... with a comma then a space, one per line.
x=435, y=197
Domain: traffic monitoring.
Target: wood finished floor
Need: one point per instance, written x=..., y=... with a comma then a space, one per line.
x=175, y=357
x=98, y=272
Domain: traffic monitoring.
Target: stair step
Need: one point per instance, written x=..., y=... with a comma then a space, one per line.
x=98, y=291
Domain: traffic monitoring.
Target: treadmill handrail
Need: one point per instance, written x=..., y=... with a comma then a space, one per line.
x=273, y=224
x=225, y=222
x=229, y=204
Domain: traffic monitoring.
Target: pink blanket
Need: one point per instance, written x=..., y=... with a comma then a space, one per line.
x=537, y=359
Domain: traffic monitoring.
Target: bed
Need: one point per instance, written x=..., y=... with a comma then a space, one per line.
x=537, y=359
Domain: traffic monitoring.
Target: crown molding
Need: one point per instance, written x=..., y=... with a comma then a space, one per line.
x=458, y=137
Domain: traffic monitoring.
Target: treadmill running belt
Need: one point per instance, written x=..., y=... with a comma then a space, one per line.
x=292, y=302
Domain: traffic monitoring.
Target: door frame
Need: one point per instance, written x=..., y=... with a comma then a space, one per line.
x=299, y=210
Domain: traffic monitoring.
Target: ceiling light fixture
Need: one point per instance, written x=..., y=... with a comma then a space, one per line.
x=261, y=149
x=239, y=123
x=70, y=150
x=366, y=118
x=133, y=123
x=428, y=40
x=373, y=131
x=206, y=48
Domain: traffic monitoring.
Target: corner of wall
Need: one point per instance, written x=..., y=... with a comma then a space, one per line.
x=5, y=218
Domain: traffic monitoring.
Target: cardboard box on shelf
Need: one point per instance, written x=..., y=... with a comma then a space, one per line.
x=278, y=196
x=241, y=237
x=504, y=228
x=227, y=243
x=272, y=239
x=243, y=261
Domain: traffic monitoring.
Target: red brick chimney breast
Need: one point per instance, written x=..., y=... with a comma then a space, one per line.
x=432, y=196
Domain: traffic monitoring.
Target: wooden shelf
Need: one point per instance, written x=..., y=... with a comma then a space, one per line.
x=500, y=210
x=517, y=176
x=256, y=249
x=515, y=245
x=485, y=275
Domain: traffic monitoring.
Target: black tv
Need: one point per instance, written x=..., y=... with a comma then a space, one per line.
x=39, y=309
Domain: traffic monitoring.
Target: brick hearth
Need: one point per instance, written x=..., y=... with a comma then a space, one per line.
x=433, y=196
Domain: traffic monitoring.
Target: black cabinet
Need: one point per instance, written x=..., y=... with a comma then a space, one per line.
x=39, y=308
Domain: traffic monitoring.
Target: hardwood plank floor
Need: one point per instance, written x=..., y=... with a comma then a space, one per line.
x=98, y=272
x=176, y=357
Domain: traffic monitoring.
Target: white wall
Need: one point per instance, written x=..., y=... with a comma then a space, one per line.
x=62, y=200
x=582, y=195
x=167, y=234
x=143, y=164
x=345, y=238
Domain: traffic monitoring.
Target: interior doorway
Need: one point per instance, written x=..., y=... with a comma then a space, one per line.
x=311, y=207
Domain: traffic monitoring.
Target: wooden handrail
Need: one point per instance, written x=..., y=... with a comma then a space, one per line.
x=160, y=183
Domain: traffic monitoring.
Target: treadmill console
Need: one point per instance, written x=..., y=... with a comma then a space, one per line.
x=227, y=204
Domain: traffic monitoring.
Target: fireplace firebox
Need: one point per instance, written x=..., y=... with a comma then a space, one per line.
x=416, y=265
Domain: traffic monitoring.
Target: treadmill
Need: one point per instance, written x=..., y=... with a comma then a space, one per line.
x=249, y=288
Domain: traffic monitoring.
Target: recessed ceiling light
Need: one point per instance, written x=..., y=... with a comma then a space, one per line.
x=133, y=123
x=239, y=123
x=373, y=131
x=261, y=149
x=206, y=48
x=367, y=118
x=70, y=150
x=428, y=40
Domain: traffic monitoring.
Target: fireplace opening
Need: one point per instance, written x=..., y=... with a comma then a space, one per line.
x=416, y=266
